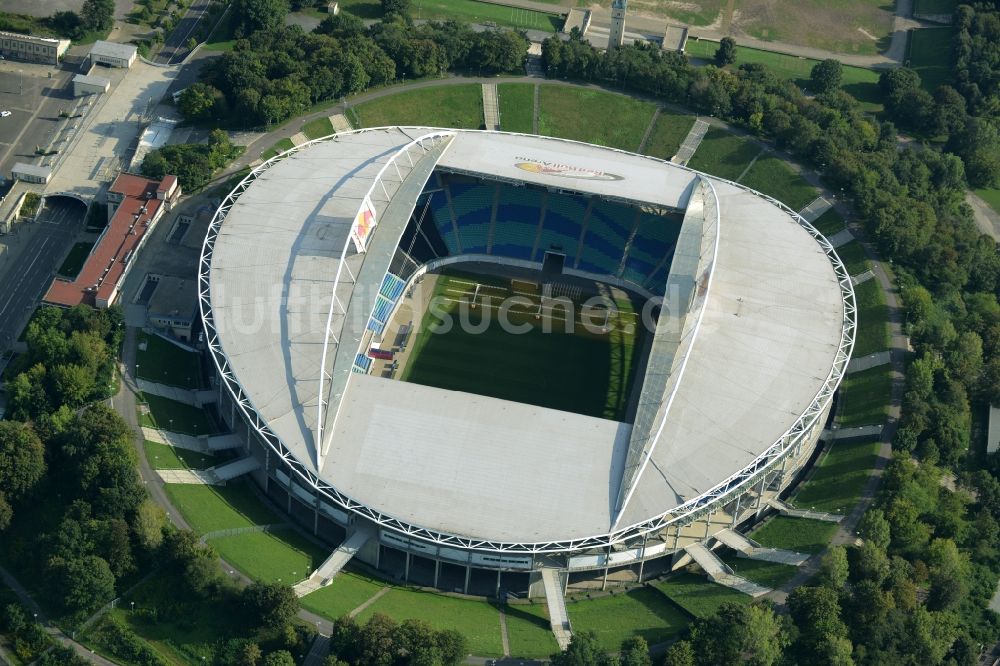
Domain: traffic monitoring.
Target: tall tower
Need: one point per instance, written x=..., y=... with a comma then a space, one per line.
x=617, y=36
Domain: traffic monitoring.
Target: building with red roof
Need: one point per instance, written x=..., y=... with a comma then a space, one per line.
x=138, y=204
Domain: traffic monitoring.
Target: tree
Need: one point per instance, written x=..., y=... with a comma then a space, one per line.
x=826, y=76
x=199, y=101
x=392, y=8
x=254, y=15
x=726, y=53
x=22, y=459
x=833, y=568
x=583, y=650
x=417, y=641
x=272, y=605
x=739, y=634
x=375, y=643
x=249, y=655
x=150, y=519
x=98, y=15
x=635, y=652
x=680, y=653
x=452, y=646
x=279, y=658
x=84, y=584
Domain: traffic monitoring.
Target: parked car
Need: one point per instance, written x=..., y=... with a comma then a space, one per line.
x=4, y=114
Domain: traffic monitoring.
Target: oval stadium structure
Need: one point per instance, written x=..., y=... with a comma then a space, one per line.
x=721, y=324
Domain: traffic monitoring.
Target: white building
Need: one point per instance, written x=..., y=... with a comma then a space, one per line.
x=112, y=54
x=90, y=85
x=31, y=48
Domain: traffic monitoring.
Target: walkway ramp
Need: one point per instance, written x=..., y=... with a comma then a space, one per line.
x=860, y=431
x=174, y=439
x=223, y=442
x=842, y=237
x=866, y=362
x=720, y=573
x=340, y=123
x=192, y=477
x=186, y=396
x=556, y=602
x=491, y=107
x=816, y=207
x=752, y=550
x=324, y=573
x=691, y=142
x=787, y=510
x=861, y=278
x=236, y=468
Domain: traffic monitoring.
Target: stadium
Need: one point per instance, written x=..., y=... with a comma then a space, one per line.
x=491, y=362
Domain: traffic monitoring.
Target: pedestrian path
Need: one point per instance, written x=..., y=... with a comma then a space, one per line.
x=191, y=397
x=491, y=107
x=299, y=138
x=325, y=573
x=174, y=439
x=788, y=510
x=752, y=550
x=556, y=602
x=691, y=142
x=188, y=477
x=719, y=572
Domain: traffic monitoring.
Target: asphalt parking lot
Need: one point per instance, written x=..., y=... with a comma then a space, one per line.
x=34, y=101
x=49, y=7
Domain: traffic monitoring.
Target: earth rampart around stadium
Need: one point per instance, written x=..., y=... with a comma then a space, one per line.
x=289, y=477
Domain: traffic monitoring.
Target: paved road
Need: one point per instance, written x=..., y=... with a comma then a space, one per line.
x=35, y=257
x=175, y=47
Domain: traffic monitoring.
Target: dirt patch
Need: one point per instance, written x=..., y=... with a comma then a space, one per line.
x=849, y=26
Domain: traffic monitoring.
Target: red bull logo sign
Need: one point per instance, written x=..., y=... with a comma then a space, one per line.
x=563, y=170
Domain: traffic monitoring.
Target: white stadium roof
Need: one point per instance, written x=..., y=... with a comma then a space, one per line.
x=771, y=330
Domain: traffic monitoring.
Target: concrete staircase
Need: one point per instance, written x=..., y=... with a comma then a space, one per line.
x=815, y=209
x=223, y=442
x=717, y=570
x=558, y=617
x=787, y=510
x=324, y=574
x=491, y=107
x=752, y=550
x=174, y=439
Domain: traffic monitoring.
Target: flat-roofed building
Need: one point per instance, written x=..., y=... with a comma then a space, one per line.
x=84, y=84
x=31, y=173
x=31, y=48
x=138, y=204
x=112, y=54
x=173, y=307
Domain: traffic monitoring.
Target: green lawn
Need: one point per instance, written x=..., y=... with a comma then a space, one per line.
x=644, y=612
x=517, y=107
x=477, y=620
x=471, y=11
x=873, y=319
x=829, y=223
x=222, y=38
x=864, y=397
x=74, y=261
x=320, y=127
x=344, y=594
x=859, y=82
x=668, y=134
x=991, y=195
x=582, y=114
x=699, y=596
x=836, y=484
x=858, y=27
x=284, y=556
x=582, y=372
x=213, y=508
x=528, y=631
x=167, y=414
x=854, y=257
x=166, y=363
x=277, y=149
x=799, y=534
x=458, y=106
x=723, y=154
x=929, y=53
x=162, y=456
x=768, y=574
x=772, y=176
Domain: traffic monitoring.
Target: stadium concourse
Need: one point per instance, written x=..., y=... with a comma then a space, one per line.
x=319, y=276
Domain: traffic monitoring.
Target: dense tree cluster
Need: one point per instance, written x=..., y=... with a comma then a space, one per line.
x=280, y=72
x=381, y=641
x=192, y=163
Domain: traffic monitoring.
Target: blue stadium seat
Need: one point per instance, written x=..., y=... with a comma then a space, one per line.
x=442, y=219
x=392, y=287
x=519, y=210
x=473, y=206
x=562, y=225
x=362, y=364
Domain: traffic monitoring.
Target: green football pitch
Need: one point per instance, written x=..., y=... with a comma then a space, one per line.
x=462, y=346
